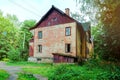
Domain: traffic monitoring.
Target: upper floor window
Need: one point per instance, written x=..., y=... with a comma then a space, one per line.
x=40, y=35
x=68, y=31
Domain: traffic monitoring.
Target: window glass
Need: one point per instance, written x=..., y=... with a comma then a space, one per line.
x=67, y=31
x=67, y=48
x=40, y=34
x=40, y=48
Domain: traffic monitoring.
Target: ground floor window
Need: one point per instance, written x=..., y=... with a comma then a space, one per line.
x=67, y=48
x=40, y=48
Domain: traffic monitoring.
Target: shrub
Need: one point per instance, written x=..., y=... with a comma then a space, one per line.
x=63, y=72
x=26, y=76
x=3, y=75
x=14, y=54
x=5, y=59
x=112, y=74
x=92, y=63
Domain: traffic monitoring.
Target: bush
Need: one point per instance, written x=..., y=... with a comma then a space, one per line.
x=92, y=63
x=17, y=54
x=112, y=74
x=26, y=76
x=3, y=75
x=63, y=72
x=14, y=54
x=5, y=59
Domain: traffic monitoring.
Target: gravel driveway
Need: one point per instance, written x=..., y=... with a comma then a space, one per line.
x=13, y=70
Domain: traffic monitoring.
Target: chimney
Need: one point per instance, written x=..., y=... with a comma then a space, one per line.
x=67, y=11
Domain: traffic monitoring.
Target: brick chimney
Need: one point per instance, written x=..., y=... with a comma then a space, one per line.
x=67, y=11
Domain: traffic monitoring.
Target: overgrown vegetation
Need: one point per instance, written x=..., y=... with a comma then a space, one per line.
x=3, y=75
x=105, y=14
x=91, y=70
x=14, y=37
x=26, y=76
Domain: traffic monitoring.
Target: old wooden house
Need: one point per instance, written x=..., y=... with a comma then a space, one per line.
x=59, y=38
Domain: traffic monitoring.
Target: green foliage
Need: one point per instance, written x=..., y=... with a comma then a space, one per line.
x=6, y=59
x=105, y=12
x=7, y=30
x=14, y=37
x=26, y=76
x=14, y=54
x=92, y=70
x=62, y=72
x=112, y=74
x=3, y=75
x=91, y=63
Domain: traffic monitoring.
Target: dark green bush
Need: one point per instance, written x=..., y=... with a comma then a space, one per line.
x=112, y=74
x=63, y=72
x=92, y=63
x=26, y=76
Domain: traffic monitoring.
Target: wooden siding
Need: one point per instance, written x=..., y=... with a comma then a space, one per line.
x=63, y=59
x=61, y=19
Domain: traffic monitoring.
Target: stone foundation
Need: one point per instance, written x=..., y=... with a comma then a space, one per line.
x=41, y=60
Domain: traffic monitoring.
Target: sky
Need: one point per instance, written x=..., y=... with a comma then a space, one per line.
x=34, y=9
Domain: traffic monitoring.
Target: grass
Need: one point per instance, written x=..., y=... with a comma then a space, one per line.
x=25, y=63
x=89, y=71
x=26, y=76
x=3, y=75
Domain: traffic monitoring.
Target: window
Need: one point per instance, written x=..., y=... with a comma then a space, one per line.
x=67, y=48
x=40, y=48
x=40, y=35
x=54, y=19
x=68, y=31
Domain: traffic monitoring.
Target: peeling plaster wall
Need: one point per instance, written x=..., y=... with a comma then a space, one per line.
x=54, y=39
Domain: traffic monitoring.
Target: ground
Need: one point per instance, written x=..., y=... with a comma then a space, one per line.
x=91, y=70
x=13, y=70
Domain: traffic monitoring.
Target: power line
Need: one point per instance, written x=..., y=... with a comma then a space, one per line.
x=30, y=5
x=24, y=8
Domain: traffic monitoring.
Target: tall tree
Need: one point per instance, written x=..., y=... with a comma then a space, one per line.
x=7, y=30
x=26, y=36
x=107, y=13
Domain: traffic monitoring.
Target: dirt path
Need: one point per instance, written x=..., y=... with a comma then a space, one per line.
x=13, y=70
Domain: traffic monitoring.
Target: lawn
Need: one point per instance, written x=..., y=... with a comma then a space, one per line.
x=92, y=70
x=3, y=75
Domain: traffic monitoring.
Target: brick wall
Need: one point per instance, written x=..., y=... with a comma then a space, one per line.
x=54, y=39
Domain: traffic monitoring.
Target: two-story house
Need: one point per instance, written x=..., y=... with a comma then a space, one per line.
x=59, y=38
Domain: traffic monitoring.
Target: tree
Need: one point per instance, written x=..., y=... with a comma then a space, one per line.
x=106, y=13
x=26, y=35
x=7, y=30
x=78, y=17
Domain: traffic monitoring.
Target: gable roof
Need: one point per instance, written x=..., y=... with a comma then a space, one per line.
x=85, y=26
x=49, y=12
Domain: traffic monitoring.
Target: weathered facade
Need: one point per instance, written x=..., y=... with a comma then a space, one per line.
x=59, y=38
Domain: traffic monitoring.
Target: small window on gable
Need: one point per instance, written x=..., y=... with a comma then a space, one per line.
x=40, y=35
x=54, y=19
x=67, y=48
x=68, y=31
x=40, y=48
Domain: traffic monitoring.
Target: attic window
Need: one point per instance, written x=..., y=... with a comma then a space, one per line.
x=54, y=19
